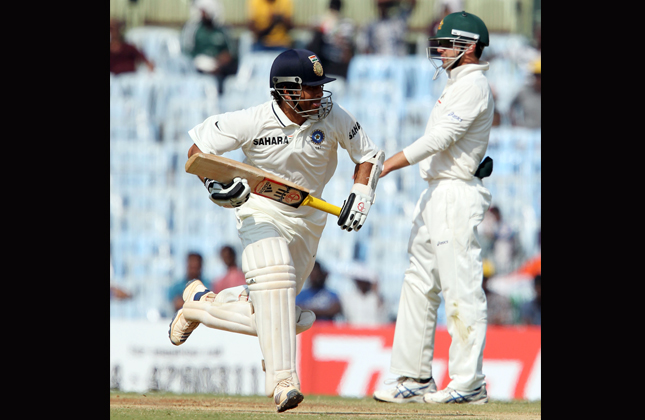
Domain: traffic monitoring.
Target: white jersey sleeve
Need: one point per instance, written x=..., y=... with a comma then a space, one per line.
x=223, y=133
x=354, y=139
x=451, y=124
x=458, y=129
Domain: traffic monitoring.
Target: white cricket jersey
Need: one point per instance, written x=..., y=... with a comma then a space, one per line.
x=305, y=154
x=456, y=136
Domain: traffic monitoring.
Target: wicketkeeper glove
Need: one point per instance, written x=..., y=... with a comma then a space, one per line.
x=356, y=207
x=233, y=194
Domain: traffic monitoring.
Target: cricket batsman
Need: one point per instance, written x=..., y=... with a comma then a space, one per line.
x=296, y=136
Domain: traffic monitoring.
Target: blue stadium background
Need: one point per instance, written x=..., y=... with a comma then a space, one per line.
x=158, y=213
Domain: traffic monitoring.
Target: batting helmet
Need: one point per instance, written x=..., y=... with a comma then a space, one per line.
x=301, y=67
x=456, y=31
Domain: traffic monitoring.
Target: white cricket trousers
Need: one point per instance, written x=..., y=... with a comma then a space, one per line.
x=445, y=256
x=257, y=220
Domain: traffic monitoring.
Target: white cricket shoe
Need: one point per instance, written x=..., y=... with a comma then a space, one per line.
x=452, y=396
x=180, y=328
x=286, y=396
x=407, y=390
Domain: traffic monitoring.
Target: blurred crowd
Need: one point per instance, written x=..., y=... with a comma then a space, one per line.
x=355, y=299
x=513, y=294
x=334, y=37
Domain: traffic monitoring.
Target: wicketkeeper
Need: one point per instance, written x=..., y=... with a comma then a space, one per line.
x=295, y=136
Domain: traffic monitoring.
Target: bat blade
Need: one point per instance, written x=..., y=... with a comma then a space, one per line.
x=261, y=182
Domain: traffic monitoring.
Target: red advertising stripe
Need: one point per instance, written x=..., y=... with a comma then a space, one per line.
x=514, y=343
x=340, y=360
x=323, y=377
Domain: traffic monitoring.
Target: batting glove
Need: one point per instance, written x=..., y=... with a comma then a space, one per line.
x=356, y=207
x=233, y=194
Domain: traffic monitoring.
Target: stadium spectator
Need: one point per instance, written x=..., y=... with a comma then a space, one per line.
x=452, y=5
x=116, y=291
x=270, y=21
x=434, y=25
x=194, y=262
x=498, y=240
x=234, y=275
x=499, y=308
x=363, y=306
x=531, y=311
x=124, y=57
x=526, y=107
x=533, y=266
x=528, y=53
x=333, y=40
x=497, y=116
x=317, y=297
x=207, y=41
x=387, y=34
x=537, y=39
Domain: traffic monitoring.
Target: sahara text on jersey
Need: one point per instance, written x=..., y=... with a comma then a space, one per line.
x=270, y=140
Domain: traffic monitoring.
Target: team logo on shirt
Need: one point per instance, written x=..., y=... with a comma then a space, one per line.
x=318, y=136
x=266, y=141
x=354, y=130
x=455, y=117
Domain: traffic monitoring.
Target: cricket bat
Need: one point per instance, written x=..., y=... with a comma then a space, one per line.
x=261, y=182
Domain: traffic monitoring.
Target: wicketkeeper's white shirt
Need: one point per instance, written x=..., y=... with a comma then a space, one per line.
x=305, y=154
x=456, y=136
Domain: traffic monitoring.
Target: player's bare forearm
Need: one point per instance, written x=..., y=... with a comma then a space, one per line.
x=395, y=162
x=194, y=149
x=362, y=173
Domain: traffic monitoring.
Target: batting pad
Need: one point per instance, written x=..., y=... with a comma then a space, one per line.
x=231, y=311
x=271, y=278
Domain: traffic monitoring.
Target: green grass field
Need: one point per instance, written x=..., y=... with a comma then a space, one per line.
x=135, y=406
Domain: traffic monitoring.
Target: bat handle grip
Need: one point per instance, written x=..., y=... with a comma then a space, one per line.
x=321, y=205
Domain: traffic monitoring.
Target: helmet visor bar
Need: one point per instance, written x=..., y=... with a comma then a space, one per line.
x=436, y=44
x=289, y=79
x=465, y=34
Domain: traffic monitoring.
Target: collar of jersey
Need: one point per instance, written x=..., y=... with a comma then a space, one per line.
x=462, y=71
x=280, y=115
